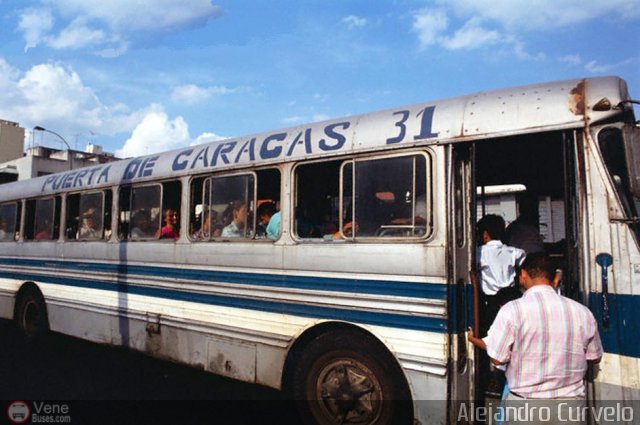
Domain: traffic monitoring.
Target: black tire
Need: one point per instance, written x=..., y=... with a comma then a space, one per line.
x=31, y=315
x=347, y=377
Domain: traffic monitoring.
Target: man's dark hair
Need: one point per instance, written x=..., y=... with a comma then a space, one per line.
x=538, y=265
x=268, y=208
x=492, y=224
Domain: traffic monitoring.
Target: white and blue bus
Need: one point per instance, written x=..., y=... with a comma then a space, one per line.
x=361, y=297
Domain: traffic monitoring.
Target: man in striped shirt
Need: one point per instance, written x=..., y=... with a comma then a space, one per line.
x=546, y=340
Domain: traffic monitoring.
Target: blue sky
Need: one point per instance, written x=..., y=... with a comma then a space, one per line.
x=141, y=76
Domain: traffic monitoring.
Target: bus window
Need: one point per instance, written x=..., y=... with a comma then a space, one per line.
x=145, y=212
x=86, y=219
x=43, y=216
x=613, y=152
x=207, y=218
x=388, y=199
x=317, y=199
x=231, y=205
x=170, y=224
x=8, y=219
x=148, y=212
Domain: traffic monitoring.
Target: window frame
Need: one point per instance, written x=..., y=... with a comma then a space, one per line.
x=430, y=193
x=622, y=189
x=16, y=221
x=55, y=199
x=429, y=196
x=131, y=188
x=253, y=202
x=293, y=202
x=102, y=213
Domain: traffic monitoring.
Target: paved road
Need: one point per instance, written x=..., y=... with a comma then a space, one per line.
x=67, y=369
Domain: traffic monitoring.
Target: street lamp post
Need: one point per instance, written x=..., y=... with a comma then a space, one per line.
x=39, y=128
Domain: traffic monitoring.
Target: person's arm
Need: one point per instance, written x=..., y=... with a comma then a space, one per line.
x=478, y=342
x=501, y=337
x=594, y=347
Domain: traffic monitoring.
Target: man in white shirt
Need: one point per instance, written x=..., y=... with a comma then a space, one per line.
x=497, y=267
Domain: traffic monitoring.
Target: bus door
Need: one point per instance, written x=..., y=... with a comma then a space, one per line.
x=461, y=252
x=613, y=260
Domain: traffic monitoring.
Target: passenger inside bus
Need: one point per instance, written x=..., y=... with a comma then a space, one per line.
x=5, y=233
x=524, y=231
x=89, y=229
x=266, y=210
x=141, y=225
x=273, y=228
x=237, y=213
x=43, y=230
x=420, y=213
x=170, y=230
x=208, y=222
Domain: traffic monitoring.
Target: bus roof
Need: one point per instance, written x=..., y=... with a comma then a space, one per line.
x=540, y=107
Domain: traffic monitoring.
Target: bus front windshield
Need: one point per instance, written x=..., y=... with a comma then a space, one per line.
x=615, y=156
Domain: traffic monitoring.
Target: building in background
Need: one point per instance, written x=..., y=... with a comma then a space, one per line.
x=11, y=147
x=15, y=164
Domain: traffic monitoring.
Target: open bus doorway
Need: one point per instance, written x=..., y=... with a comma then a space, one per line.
x=529, y=177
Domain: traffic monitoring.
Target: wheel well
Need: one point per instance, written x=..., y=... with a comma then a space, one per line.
x=26, y=287
x=327, y=327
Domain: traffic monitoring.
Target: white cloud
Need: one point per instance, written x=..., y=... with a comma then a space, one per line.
x=320, y=117
x=300, y=119
x=519, y=15
x=109, y=24
x=595, y=68
x=34, y=23
x=49, y=92
x=191, y=93
x=472, y=35
x=293, y=120
x=571, y=59
x=54, y=96
x=77, y=35
x=206, y=138
x=156, y=132
x=141, y=15
x=505, y=22
x=430, y=25
x=354, y=22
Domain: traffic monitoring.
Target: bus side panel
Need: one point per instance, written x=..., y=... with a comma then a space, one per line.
x=617, y=377
x=8, y=290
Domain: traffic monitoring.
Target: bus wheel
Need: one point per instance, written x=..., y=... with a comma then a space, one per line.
x=346, y=378
x=31, y=314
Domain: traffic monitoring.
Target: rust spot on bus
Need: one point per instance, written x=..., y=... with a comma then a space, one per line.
x=576, y=99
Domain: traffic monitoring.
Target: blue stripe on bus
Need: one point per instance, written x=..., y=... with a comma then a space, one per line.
x=622, y=334
x=403, y=321
x=374, y=287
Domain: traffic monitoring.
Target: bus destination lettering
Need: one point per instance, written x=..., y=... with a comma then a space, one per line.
x=278, y=145
x=78, y=178
x=285, y=144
